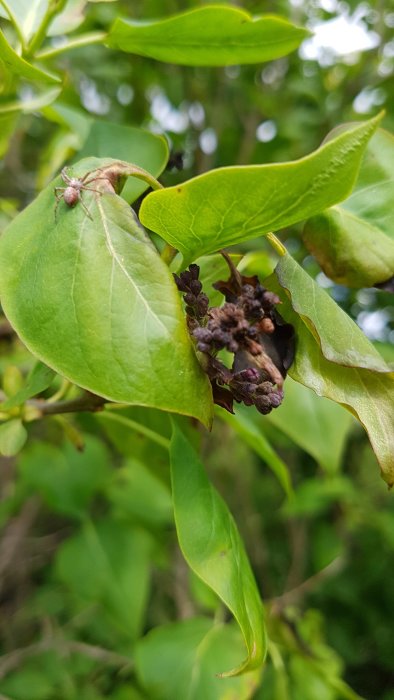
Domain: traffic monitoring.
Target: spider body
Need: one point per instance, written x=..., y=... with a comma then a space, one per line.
x=72, y=192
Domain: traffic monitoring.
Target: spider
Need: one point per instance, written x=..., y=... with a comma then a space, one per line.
x=72, y=193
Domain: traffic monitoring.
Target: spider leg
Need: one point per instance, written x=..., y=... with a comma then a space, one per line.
x=93, y=179
x=65, y=177
x=57, y=189
x=84, y=206
x=91, y=189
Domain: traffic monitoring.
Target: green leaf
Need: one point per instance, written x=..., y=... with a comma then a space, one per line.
x=30, y=104
x=27, y=16
x=354, y=242
x=92, y=299
x=243, y=424
x=317, y=425
x=149, y=151
x=13, y=436
x=138, y=494
x=39, y=379
x=369, y=395
x=212, y=547
x=107, y=565
x=234, y=204
x=65, y=478
x=179, y=660
x=19, y=67
x=208, y=36
x=340, y=338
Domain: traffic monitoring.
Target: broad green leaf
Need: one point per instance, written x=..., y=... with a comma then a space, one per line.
x=149, y=151
x=92, y=299
x=340, y=338
x=107, y=565
x=65, y=478
x=179, y=660
x=39, y=379
x=354, y=242
x=369, y=395
x=212, y=547
x=208, y=36
x=317, y=425
x=13, y=436
x=243, y=424
x=17, y=65
x=234, y=204
x=31, y=103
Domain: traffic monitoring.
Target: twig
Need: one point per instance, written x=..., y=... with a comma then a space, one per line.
x=14, y=534
x=86, y=402
x=296, y=594
x=63, y=646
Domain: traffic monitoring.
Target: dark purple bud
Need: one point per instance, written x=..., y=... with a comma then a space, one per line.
x=194, y=271
x=190, y=299
x=195, y=286
x=275, y=398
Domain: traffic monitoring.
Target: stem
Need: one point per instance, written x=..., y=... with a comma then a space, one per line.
x=15, y=23
x=83, y=40
x=168, y=254
x=138, y=427
x=86, y=402
x=54, y=8
x=275, y=242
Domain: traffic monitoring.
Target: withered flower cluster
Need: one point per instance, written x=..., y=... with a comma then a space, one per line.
x=246, y=325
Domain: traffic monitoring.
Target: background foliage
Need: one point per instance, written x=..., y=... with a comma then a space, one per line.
x=96, y=598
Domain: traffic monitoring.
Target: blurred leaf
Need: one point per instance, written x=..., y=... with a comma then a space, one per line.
x=317, y=425
x=180, y=660
x=12, y=381
x=354, y=242
x=212, y=547
x=17, y=65
x=27, y=684
x=244, y=425
x=39, y=379
x=367, y=394
x=112, y=322
x=66, y=478
x=30, y=103
x=148, y=151
x=69, y=117
x=208, y=36
x=13, y=436
x=137, y=493
x=315, y=496
x=28, y=16
x=7, y=125
x=234, y=204
x=107, y=564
